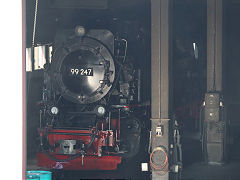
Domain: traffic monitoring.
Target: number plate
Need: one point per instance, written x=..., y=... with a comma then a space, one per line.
x=81, y=71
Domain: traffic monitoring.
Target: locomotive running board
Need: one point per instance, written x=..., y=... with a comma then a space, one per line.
x=89, y=162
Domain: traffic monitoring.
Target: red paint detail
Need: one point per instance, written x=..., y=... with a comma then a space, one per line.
x=132, y=106
x=54, y=138
x=85, y=136
x=90, y=162
x=102, y=126
x=111, y=139
x=114, y=124
x=92, y=159
x=118, y=128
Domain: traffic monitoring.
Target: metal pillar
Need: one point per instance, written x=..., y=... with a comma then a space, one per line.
x=214, y=45
x=214, y=140
x=160, y=39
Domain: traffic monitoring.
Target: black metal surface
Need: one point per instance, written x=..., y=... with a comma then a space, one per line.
x=64, y=133
x=83, y=68
x=81, y=4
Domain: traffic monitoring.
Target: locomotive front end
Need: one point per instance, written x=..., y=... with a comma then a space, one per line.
x=86, y=122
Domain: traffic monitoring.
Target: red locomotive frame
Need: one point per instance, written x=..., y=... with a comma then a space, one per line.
x=92, y=159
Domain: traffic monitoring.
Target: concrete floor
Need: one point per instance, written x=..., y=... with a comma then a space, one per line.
x=125, y=171
x=200, y=171
x=196, y=171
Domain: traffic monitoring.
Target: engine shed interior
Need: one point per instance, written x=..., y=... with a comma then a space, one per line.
x=92, y=69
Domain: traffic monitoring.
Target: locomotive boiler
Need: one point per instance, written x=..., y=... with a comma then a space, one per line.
x=90, y=102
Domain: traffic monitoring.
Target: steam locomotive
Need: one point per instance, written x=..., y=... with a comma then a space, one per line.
x=90, y=102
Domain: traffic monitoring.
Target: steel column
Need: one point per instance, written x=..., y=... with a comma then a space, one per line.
x=214, y=122
x=160, y=39
x=214, y=45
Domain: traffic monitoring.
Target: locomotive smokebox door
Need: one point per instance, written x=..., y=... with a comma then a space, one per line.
x=83, y=66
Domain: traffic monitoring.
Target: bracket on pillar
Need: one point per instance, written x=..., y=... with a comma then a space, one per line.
x=159, y=159
x=214, y=131
x=160, y=133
